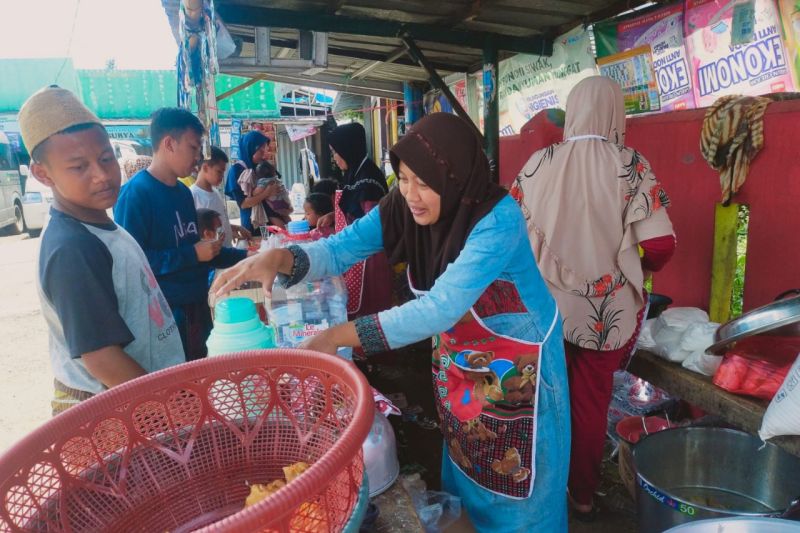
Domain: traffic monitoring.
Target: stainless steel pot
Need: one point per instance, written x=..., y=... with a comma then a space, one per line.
x=739, y=525
x=695, y=473
x=380, y=456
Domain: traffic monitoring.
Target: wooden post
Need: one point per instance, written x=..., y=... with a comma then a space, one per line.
x=723, y=268
x=491, y=109
x=438, y=82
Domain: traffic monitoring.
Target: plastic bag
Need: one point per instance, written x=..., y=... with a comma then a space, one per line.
x=698, y=336
x=436, y=510
x=702, y=363
x=695, y=340
x=645, y=340
x=669, y=328
x=757, y=366
x=680, y=318
x=783, y=414
x=633, y=396
x=225, y=43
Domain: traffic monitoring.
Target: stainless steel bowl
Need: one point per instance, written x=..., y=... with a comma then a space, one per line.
x=777, y=318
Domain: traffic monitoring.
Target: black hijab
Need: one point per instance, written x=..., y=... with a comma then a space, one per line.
x=363, y=181
x=448, y=156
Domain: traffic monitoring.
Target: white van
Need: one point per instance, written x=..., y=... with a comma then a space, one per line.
x=36, y=206
x=12, y=217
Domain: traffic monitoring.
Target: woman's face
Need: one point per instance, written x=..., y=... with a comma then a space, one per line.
x=339, y=160
x=260, y=155
x=424, y=203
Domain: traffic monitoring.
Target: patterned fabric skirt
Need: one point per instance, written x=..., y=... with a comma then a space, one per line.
x=65, y=397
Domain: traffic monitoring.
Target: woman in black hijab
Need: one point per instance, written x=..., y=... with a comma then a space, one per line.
x=496, y=329
x=369, y=283
x=363, y=184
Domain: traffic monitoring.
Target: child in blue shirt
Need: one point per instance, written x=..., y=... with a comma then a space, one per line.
x=159, y=212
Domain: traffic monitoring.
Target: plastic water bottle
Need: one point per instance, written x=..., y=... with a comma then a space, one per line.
x=237, y=328
x=298, y=197
x=309, y=307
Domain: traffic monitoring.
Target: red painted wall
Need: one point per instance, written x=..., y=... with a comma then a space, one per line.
x=671, y=142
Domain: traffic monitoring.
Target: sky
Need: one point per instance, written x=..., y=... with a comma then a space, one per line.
x=135, y=33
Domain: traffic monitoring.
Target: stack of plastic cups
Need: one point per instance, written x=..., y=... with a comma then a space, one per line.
x=237, y=328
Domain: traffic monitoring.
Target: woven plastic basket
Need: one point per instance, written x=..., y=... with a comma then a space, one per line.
x=174, y=450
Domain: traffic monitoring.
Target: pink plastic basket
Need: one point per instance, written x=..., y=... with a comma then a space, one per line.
x=174, y=451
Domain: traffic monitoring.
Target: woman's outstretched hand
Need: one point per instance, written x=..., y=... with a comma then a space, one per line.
x=263, y=267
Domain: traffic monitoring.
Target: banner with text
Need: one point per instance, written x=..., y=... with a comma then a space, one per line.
x=530, y=83
x=634, y=72
x=719, y=67
x=662, y=29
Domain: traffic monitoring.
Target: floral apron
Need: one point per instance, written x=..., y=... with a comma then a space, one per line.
x=486, y=388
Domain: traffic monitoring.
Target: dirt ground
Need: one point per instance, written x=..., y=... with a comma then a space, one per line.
x=27, y=381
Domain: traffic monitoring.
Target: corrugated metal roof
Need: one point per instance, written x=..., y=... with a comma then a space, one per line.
x=449, y=33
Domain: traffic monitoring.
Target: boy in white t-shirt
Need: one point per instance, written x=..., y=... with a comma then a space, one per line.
x=211, y=174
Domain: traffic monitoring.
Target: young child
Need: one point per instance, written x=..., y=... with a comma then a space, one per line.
x=211, y=174
x=107, y=318
x=280, y=201
x=326, y=186
x=209, y=224
x=317, y=205
x=159, y=213
x=266, y=186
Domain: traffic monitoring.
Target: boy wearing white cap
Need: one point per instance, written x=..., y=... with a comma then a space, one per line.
x=108, y=320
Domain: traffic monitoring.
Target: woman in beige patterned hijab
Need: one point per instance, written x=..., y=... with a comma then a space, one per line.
x=589, y=203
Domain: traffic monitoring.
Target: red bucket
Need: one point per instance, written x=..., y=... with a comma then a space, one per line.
x=631, y=428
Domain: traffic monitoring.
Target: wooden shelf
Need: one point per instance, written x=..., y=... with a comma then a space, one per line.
x=740, y=411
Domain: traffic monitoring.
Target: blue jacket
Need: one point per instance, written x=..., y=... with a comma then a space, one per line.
x=497, y=248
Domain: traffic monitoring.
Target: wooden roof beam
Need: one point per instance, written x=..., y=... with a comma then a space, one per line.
x=334, y=6
x=363, y=54
x=613, y=9
x=324, y=22
x=394, y=56
x=383, y=89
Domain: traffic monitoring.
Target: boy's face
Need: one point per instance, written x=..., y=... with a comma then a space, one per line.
x=183, y=154
x=214, y=172
x=212, y=234
x=81, y=169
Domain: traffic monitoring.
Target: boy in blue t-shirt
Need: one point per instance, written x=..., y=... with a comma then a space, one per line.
x=108, y=321
x=159, y=212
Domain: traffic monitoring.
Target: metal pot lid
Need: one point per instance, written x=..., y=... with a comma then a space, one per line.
x=761, y=320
